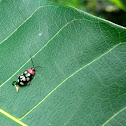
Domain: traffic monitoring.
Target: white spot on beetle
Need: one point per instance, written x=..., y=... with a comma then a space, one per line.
x=28, y=74
x=28, y=79
x=21, y=83
x=25, y=72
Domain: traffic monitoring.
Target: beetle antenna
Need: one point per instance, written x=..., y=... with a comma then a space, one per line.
x=32, y=62
x=38, y=66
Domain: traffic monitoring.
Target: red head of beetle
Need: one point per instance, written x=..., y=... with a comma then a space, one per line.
x=31, y=71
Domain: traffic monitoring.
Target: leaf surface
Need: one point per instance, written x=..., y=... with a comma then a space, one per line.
x=82, y=79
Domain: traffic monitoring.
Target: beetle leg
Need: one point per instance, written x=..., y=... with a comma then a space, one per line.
x=28, y=83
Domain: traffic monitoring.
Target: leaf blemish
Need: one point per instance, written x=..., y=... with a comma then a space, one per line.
x=40, y=34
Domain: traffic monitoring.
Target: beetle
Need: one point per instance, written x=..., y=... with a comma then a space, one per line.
x=25, y=78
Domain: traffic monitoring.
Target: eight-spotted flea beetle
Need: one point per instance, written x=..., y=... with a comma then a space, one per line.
x=25, y=78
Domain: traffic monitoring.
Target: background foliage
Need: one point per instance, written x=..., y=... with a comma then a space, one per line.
x=112, y=10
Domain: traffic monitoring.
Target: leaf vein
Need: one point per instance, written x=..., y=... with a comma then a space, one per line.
x=114, y=116
x=24, y=22
x=66, y=80
x=42, y=48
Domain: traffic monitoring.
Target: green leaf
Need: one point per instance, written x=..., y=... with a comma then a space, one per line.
x=119, y=3
x=82, y=79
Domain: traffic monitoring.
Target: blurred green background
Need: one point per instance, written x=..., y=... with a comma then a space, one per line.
x=112, y=10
